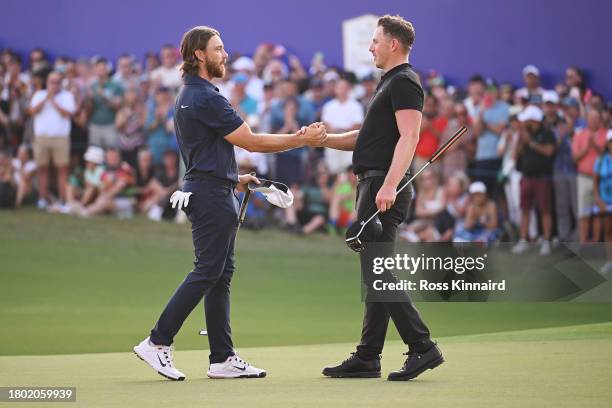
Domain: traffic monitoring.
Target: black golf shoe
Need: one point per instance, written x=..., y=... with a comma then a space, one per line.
x=355, y=367
x=417, y=363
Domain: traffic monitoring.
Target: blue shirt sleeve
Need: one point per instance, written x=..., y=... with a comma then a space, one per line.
x=218, y=114
x=596, y=167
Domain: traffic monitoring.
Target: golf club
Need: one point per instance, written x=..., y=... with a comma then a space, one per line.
x=353, y=241
x=243, y=206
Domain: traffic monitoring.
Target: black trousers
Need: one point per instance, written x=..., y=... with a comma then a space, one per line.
x=404, y=314
x=213, y=212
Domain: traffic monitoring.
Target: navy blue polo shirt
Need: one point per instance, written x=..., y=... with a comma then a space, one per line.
x=202, y=119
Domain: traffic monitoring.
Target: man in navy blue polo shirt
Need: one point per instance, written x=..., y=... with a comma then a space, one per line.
x=207, y=128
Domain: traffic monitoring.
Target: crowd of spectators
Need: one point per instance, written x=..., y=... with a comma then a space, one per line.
x=90, y=137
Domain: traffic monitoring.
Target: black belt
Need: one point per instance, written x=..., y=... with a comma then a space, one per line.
x=374, y=173
x=207, y=176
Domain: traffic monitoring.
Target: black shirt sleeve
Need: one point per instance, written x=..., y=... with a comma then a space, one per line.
x=406, y=94
x=218, y=114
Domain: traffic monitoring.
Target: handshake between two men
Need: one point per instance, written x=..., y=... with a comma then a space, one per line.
x=314, y=135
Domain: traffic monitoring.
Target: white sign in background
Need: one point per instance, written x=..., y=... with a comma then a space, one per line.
x=356, y=37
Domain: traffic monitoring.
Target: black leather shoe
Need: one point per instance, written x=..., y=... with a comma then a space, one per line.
x=416, y=363
x=354, y=367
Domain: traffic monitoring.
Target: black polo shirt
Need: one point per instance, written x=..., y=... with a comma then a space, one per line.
x=399, y=88
x=533, y=163
x=202, y=119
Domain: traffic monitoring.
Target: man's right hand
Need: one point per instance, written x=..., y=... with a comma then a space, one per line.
x=313, y=135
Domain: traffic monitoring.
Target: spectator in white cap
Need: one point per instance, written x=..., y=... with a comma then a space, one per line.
x=535, y=153
x=83, y=190
x=481, y=217
x=550, y=106
x=587, y=145
x=255, y=85
x=532, y=91
x=603, y=198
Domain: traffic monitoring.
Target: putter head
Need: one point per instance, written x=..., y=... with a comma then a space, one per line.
x=360, y=233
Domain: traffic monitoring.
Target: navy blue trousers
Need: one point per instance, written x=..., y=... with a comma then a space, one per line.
x=213, y=212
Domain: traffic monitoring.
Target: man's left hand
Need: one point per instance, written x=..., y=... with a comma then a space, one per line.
x=180, y=199
x=385, y=198
x=244, y=180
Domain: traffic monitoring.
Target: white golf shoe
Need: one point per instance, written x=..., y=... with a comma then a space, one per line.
x=160, y=358
x=234, y=367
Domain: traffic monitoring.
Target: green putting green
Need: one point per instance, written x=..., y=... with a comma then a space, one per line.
x=569, y=366
x=71, y=285
x=78, y=294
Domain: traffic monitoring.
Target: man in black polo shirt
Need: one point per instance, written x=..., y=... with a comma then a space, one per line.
x=383, y=150
x=207, y=128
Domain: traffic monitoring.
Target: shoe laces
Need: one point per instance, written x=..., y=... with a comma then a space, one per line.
x=411, y=355
x=353, y=355
x=239, y=360
x=168, y=352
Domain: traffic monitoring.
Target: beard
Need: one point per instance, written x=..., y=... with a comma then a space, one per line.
x=215, y=69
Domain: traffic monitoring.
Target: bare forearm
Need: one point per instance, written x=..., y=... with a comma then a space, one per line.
x=34, y=110
x=402, y=157
x=596, y=187
x=272, y=143
x=342, y=141
x=63, y=112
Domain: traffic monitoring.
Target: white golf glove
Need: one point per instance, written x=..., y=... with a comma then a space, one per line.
x=180, y=198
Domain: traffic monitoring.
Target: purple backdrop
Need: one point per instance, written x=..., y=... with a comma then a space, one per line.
x=456, y=37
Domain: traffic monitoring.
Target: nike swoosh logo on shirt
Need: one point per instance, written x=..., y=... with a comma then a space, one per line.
x=184, y=106
x=160, y=362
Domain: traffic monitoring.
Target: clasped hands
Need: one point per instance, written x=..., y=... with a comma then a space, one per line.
x=313, y=135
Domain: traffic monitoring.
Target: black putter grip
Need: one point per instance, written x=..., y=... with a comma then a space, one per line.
x=462, y=130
